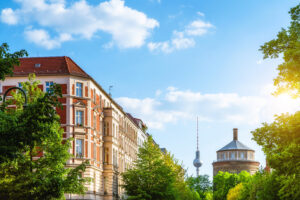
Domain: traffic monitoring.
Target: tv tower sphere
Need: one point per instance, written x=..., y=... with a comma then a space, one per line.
x=197, y=162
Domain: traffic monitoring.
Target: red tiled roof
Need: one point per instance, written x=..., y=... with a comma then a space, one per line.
x=132, y=119
x=49, y=66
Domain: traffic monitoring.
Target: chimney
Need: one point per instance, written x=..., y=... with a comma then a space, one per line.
x=235, y=134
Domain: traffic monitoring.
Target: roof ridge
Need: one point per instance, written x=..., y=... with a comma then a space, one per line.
x=42, y=57
x=70, y=59
x=67, y=64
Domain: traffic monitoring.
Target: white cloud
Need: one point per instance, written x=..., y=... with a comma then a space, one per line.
x=150, y=112
x=41, y=38
x=128, y=27
x=182, y=39
x=8, y=16
x=178, y=41
x=173, y=104
x=198, y=28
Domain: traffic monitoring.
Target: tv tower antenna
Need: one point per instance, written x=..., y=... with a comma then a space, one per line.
x=197, y=162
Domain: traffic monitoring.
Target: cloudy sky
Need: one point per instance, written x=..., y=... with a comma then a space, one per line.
x=168, y=61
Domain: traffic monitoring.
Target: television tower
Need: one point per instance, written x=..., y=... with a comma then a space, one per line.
x=197, y=162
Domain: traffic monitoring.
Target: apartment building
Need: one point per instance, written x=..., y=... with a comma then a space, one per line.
x=103, y=132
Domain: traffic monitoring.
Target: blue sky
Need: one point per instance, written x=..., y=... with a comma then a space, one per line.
x=168, y=61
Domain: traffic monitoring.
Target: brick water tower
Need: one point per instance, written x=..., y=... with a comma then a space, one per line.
x=235, y=157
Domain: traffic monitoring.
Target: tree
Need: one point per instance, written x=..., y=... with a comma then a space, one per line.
x=224, y=181
x=181, y=190
x=150, y=178
x=9, y=60
x=235, y=192
x=201, y=184
x=280, y=142
x=156, y=176
x=33, y=154
x=261, y=186
x=288, y=43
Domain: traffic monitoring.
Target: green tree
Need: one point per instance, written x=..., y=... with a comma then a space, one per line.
x=33, y=154
x=235, y=192
x=280, y=142
x=201, y=184
x=9, y=60
x=224, y=181
x=156, y=176
x=288, y=44
x=181, y=190
x=261, y=186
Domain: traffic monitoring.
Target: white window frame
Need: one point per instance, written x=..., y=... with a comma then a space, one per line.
x=77, y=89
x=47, y=88
x=77, y=145
x=77, y=117
x=94, y=97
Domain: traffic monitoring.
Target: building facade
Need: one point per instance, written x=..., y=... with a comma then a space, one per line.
x=235, y=157
x=103, y=133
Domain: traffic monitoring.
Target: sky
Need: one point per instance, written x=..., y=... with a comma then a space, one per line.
x=168, y=61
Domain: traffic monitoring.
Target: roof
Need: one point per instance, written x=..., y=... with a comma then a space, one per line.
x=57, y=65
x=133, y=119
x=62, y=65
x=235, y=145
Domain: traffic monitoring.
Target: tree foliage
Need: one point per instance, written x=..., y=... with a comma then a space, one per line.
x=224, y=181
x=156, y=176
x=33, y=154
x=261, y=186
x=9, y=60
x=280, y=142
x=287, y=43
x=202, y=185
x=235, y=192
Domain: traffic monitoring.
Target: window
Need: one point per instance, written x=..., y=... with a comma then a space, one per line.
x=79, y=148
x=95, y=122
x=242, y=155
x=232, y=156
x=48, y=85
x=95, y=96
x=95, y=151
x=0, y=88
x=100, y=101
x=79, y=89
x=79, y=118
